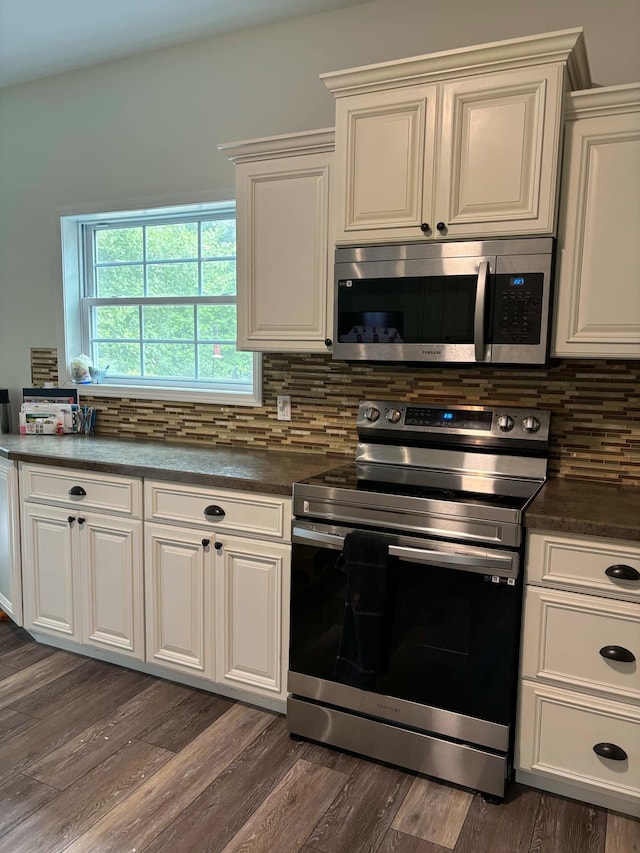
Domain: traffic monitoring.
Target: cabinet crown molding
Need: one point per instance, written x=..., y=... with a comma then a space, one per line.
x=284, y=145
x=606, y=100
x=562, y=46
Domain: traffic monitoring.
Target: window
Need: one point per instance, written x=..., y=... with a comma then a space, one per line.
x=152, y=296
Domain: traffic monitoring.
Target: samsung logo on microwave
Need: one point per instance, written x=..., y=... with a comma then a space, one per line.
x=431, y=352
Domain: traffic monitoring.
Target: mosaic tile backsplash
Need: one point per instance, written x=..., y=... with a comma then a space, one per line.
x=595, y=405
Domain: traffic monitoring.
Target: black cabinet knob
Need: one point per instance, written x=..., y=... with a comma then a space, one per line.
x=205, y=543
x=77, y=491
x=214, y=511
x=217, y=546
x=618, y=653
x=71, y=519
x=81, y=520
x=328, y=342
x=610, y=750
x=425, y=228
x=441, y=226
x=620, y=572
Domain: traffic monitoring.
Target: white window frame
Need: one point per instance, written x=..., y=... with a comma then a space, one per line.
x=77, y=307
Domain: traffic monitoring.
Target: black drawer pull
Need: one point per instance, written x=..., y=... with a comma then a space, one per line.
x=77, y=491
x=81, y=520
x=214, y=511
x=217, y=546
x=71, y=519
x=621, y=572
x=617, y=653
x=205, y=543
x=610, y=750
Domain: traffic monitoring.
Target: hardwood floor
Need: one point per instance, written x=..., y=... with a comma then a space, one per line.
x=96, y=758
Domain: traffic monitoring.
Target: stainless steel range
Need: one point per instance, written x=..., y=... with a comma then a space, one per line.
x=406, y=589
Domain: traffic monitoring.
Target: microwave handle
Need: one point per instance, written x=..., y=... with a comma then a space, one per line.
x=481, y=300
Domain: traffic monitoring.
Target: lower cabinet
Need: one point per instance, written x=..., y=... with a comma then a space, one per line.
x=578, y=730
x=179, y=599
x=252, y=633
x=10, y=569
x=84, y=579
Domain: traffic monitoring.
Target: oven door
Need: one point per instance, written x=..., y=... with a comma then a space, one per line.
x=451, y=634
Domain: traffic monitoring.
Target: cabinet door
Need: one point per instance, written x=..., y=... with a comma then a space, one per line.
x=51, y=596
x=598, y=298
x=10, y=571
x=385, y=162
x=178, y=599
x=499, y=151
x=111, y=576
x=252, y=635
x=283, y=253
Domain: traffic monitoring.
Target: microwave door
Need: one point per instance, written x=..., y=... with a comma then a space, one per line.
x=414, y=310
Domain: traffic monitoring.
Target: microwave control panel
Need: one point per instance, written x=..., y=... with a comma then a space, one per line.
x=517, y=308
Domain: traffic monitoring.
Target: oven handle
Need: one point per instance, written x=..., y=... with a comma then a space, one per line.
x=467, y=562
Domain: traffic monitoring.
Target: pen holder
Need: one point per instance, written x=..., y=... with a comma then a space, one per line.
x=87, y=418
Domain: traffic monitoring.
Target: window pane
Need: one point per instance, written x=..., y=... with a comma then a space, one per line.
x=223, y=362
x=219, y=238
x=217, y=322
x=168, y=242
x=170, y=361
x=172, y=279
x=219, y=278
x=116, y=321
x=120, y=281
x=118, y=244
x=168, y=322
x=122, y=359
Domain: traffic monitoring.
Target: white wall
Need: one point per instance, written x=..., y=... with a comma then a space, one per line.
x=144, y=130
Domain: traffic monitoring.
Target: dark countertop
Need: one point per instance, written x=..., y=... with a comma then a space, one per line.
x=269, y=471
x=585, y=507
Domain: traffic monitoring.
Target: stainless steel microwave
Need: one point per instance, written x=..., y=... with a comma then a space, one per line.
x=482, y=302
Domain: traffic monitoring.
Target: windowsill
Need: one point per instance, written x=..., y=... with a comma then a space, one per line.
x=177, y=395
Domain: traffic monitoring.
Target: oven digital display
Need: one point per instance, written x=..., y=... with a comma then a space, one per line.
x=454, y=418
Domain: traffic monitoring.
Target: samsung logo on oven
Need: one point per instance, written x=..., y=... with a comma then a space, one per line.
x=431, y=352
x=382, y=707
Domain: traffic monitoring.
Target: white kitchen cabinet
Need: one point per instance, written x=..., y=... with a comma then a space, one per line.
x=179, y=599
x=453, y=145
x=283, y=262
x=82, y=569
x=217, y=570
x=598, y=285
x=578, y=731
x=10, y=567
x=251, y=627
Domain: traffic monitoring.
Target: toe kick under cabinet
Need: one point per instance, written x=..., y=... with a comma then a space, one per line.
x=217, y=569
x=82, y=557
x=579, y=708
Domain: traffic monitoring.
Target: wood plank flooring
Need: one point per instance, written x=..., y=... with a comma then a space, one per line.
x=96, y=758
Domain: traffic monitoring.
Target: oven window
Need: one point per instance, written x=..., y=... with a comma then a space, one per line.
x=450, y=637
x=434, y=309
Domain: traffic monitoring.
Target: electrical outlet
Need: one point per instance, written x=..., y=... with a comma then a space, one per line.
x=284, y=407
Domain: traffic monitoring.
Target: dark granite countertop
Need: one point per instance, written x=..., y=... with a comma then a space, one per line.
x=269, y=471
x=585, y=507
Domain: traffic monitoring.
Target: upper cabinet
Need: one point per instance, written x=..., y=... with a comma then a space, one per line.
x=456, y=144
x=598, y=286
x=283, y=241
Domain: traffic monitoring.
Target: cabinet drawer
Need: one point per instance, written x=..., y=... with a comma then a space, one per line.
x=557, y=732
x=234, y=512
x=581, y=563
x=564, y=633
x=102, y=492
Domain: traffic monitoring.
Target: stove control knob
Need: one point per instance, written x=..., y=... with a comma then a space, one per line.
x=393, y=416
x=371, y=414
x=531, y=424
x=505, y=423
